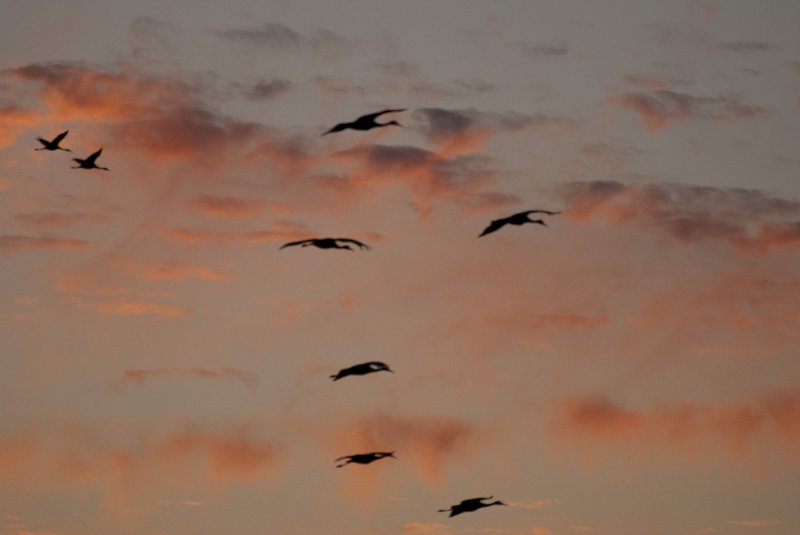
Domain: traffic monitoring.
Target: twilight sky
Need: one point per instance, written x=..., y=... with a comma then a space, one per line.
x=632, y=369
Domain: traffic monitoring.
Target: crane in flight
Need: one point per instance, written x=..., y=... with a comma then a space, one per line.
x=89, y=162
x=365, y=122
x=362, y=369
x=327, y=243
x=516, y=219
x=53, y=144
x=364, y=458
x=472, y=504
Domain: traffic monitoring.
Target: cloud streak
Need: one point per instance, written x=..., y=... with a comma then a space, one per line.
x=749, y=220
x=659, y=108
x=140, y=377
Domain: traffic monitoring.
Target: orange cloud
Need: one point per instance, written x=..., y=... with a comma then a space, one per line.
x=225, y=206
x=432, y=528
x=657, y=108
x=159, y=116
x=13, y=243
x=14, y=120
x=128, y=307
x=133, y=466
x=175, y=271
x=59, y=219
x=140, y=377
x=429, y=440
x=684, y=426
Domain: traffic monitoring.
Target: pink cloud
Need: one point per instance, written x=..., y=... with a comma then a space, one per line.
x=141, y=377
x=689, y=213
x=657, y=108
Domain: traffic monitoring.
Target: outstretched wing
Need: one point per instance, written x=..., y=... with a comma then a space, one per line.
x=60, y=136
x=473, y=501
x=354, y=242
x=372, y=116
x=546, y=212
x=494, y=226
x=338, y=128
x=293, y=243
x=91, y=159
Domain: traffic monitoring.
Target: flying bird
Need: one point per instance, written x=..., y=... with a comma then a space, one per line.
x=473, y=504
x=516, y=219
x=53, y=145
x=89, y=162
x=365, y=122
x=362, y=369
x=364, y=458
x=327, y=243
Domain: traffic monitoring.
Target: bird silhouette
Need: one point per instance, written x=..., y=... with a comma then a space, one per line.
x=364, y=458
x=516, y=219
x=365, y=122
x=327, y=243
x=467, y=506
x=362, y=369
x=53, y=145
x=89, y=162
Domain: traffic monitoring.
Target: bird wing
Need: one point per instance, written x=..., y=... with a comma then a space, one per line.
x=547, y=212
x=473, y=501
x=355, y=242
x=91, y=159
x=339, y=127
x=372, y=116
x=299, y=242
x=495, y=225
x=60, y=136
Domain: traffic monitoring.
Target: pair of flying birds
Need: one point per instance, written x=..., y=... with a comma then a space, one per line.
x=83, y=163
x=344, y=243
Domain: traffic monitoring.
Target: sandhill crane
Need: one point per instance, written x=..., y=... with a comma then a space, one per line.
x=362, y=369
x=516, y=219
x=364, y=458
x=327, y=243
x=365, y=122
x=53, y=145
x=467, y=506
x=89, y=162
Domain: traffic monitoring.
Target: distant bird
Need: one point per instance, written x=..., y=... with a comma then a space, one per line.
x=365, y=122
x=362, y=369
x=53, y=145
x=516, y=219
x=365, y=458
x=467, y=506
x=327, y=243
x=89, y=162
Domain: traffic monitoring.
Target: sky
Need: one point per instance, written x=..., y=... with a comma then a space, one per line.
x=631, y=368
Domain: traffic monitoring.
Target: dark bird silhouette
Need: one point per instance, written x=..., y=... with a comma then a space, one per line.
x=362, y=369
x=53, y=145
x=364, y=458
x=365, y=122
x=473, y=504
x=327, y=243
x=89, y=162
x=516, y=219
